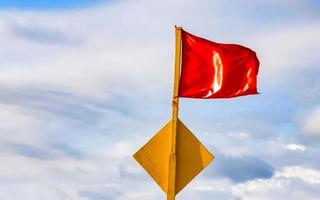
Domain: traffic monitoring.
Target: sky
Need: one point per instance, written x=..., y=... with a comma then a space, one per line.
x=84, y=84
x=47, y=4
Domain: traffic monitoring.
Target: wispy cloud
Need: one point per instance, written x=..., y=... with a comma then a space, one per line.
x=42, y=35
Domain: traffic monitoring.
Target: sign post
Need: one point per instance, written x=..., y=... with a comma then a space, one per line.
x=175, y=111
x=174, y=156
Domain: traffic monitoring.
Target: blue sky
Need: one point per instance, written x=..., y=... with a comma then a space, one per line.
x=83, y=85
x=47, y=4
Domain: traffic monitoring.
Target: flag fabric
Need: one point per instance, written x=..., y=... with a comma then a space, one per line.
x=215, y=70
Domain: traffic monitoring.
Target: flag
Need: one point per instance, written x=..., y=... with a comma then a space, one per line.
x=215, y=70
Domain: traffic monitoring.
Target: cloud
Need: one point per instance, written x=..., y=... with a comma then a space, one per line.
x=296, y=147
x=102, y=66
x=66, y=176
x=42, y=34
x=69, y=151
x=101, y=194
x=310, y=124
x=32, y=151
x=302, y=183
x=11, y=118
x=308, y=175
x=42, y=151
x=282, y=60
x=80, y=110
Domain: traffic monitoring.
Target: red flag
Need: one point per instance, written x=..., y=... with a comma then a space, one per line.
x=214, y=70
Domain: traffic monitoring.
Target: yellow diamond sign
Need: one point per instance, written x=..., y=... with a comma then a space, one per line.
x=192, y=156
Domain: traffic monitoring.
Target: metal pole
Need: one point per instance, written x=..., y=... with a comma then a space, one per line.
x=175, y=104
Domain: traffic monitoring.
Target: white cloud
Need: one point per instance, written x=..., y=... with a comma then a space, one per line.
x=295, y=147
x=69, y=178
x=11, y=117
x=289, y=52
x=103, y=53
x=308, y=175
x=288, y=179
x=16, y=126
x=311, y=123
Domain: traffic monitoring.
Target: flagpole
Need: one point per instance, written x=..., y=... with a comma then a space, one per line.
x=175, y=107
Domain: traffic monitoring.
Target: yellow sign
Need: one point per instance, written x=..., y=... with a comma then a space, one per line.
x=191, y=156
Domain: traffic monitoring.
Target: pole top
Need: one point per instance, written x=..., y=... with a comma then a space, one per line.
x=178, y=27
